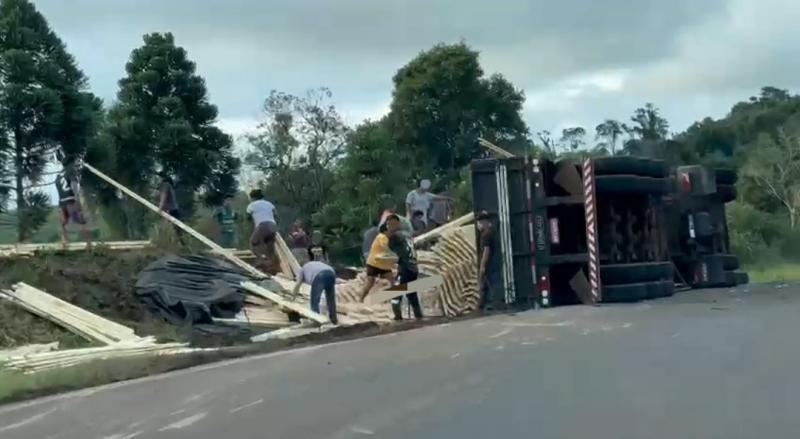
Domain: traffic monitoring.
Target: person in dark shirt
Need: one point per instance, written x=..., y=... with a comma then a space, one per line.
x=226, y=221
x=317, y=250
x=69, y=203
x=168, y=201
x=402, y=245
x=486, y=255
x=418, y=222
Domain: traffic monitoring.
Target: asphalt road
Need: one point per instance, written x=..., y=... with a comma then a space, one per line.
x=719, y=364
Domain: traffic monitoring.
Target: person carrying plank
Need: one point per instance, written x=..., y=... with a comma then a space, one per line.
x=69, y=203
x=322, y=278
x=379, y=261
x=402, y=245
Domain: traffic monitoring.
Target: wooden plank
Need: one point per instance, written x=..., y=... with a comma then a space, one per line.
x=498, y=151
x=437, y=232
x=197, y=235
x=280, y=301
x=417, y=286
x=289, y=265
x=69, y=316
x=24, y=351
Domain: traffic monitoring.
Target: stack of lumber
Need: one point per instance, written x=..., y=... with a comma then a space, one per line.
x=454, y=258
x=38, y=362
x=28, y=350
x=120, y=341
x=75, y=319
x=22, y=250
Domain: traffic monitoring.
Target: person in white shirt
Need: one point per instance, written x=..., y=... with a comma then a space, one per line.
x=420, y=199
x=262, y=241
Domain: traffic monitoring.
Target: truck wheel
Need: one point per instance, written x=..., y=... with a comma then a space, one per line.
x=631, y=184
x=726, y=176
x=742, y=278
x=635, y=273
x=726, y=193
x=624, y=293
x=730, y=262
x=630, y=166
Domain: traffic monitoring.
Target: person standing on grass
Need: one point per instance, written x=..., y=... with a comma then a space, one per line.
x=69, y=203
x=262, y=241
x=168, y=201
x=322, y=278
x=226, y=221
x=402, y=245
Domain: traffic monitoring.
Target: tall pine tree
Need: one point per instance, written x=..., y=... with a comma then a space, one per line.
x=163, y=121
x=44, y=105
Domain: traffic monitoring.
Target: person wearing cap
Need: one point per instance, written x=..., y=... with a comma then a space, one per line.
x=487, y=259
x=420, y=199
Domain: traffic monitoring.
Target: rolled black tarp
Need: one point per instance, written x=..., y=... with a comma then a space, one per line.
x=192, y=289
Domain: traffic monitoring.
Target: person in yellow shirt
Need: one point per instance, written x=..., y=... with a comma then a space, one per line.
x=380, y=262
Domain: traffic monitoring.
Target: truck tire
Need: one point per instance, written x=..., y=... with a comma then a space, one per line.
x=639, y=291
x=726, y=193
x=631, y=184
x=730, y=262
x=635, y=273
x=630, y=166
x=742, y=278
x=726, y=176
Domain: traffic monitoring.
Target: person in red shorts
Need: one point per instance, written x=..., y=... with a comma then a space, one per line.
x=70, y=205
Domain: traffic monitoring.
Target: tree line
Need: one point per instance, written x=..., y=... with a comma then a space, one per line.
x=314, y=165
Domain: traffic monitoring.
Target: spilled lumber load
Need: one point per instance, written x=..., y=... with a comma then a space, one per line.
x=454, y=258
x=27, y=250
x=26, y=350
x=38, y=362
x=75, y=319
x=438, y=232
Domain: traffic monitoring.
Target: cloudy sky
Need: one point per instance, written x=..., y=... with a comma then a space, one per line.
x=578, y=61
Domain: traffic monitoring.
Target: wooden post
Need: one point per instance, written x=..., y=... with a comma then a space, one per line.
x=213, y=245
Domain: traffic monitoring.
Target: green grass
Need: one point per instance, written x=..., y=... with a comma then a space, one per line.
x=786, y=272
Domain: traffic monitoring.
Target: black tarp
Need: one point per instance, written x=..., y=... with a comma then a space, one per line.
x=192, y=289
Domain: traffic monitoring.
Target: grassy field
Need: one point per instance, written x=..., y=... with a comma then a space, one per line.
x=786, y=272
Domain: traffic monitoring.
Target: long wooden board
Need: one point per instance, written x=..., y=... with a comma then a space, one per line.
x=280, y=301
x=197, y=235
x=417, y=286
x=75, y=319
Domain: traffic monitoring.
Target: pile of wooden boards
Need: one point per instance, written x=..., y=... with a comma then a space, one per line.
x=454, y=257
x=27, y=250
x=119, y=341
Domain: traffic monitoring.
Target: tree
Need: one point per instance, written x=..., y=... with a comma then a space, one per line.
x=609, y=132
x=163, y=121
x=297, y=147
x=776, y=170
x=573, y=137
x=442, y=103
x=44, y=105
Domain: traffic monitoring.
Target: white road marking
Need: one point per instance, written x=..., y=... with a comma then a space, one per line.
x=539, y=325
x=196, y=397
x=502, y=333
x=675, y=335
x=456, y=355
x=627, y=325
x=27, y=421
x=500, y=347
x=529, y=343
x=183, y=423
x=363, y=431
x=127, y=436
x=252, y=404
x=177, y=412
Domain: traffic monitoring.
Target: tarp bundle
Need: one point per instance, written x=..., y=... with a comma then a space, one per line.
x=192, y=289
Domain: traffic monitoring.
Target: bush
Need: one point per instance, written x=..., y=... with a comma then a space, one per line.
x=755, y=235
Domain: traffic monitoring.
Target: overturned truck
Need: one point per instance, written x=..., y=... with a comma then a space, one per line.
x=611, y=229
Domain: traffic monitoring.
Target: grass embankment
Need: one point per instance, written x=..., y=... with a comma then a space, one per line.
x=785, y=272
x=100, y=281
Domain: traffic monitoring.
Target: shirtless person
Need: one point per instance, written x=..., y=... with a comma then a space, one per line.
x=69, y=204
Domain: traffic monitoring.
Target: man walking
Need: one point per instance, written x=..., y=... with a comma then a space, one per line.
x=168, y=201
x=69, y=204
x=402, y=245
x=487, y=259
x=226, y=221
x=262, y=241
x=322, y=278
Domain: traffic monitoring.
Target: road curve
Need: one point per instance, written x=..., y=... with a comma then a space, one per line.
x=718, y=364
